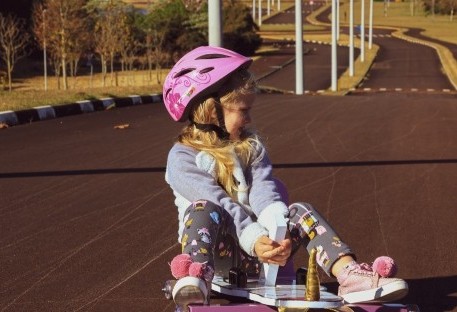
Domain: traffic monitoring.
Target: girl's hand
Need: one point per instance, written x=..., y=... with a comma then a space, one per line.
x=269, y=251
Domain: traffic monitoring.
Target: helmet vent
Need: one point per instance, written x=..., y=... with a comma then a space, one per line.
x=183, y=72
x=211, y=56
x=167, y=92
x=206, y=70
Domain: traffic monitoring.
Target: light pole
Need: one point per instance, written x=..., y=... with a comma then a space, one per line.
x=370, y=26
x=253, y=10
x=351, y=38
x=260, y=13
x=215, y=23
x=298, y=48
x=362, y=31
x=44, y=52
x=334, y=64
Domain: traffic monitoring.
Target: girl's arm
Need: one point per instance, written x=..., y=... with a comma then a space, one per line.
x=264, y=196
x=193, y=183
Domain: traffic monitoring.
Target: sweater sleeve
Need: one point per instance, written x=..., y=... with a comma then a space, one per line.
x=193, y=183
x=264, y=196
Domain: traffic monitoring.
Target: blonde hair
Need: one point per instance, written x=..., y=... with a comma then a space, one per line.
x=240, y=83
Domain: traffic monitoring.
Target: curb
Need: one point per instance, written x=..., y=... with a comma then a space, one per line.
x=13, y=118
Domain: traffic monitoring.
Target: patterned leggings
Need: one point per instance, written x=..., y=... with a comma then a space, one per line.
x=208, y=237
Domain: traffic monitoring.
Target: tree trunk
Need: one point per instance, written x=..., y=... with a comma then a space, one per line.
x=112, y=67
x=9, y=70
x=104, y=70
x=64, y=73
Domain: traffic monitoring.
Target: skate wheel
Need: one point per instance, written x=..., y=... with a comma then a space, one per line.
x=168, y=289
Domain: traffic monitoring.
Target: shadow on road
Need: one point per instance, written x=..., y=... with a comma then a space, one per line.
x=276, y=166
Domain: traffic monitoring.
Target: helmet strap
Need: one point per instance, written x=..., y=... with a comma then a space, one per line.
x=220, y=130
x=223, y=135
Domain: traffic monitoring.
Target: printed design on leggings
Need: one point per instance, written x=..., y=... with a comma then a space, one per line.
x=307, y=224
x=205, y=236
x=196, y=251
x=199, y=205
x=215, y=216
x=184, y=239
x=187, y=221
x=250, y=265
x=320, y=230
x=336, y=241
x=322, y=257
x=225, y=250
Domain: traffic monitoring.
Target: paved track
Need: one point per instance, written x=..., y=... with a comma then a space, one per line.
x=88, y=224
x=400, y=65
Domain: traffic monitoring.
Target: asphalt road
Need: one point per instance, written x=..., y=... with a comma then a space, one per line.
x=88, y=224
x=400, y=66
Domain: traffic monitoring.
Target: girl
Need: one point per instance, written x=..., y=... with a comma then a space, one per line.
x=222, y=180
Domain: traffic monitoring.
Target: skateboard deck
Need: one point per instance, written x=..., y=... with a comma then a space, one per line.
x=280, y=295
x=270, y=291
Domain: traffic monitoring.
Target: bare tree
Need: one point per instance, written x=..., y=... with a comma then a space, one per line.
x=13, y=43
x=62, y=25
x=112, y=31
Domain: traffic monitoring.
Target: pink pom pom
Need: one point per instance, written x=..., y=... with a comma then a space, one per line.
x=180, y=265
x=197, y=269
x=384, y=266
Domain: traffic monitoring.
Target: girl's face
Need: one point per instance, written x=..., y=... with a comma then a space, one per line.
x=237, y=115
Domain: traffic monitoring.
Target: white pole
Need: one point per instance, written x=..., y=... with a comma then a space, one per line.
x=298, y=48
x=215, y=23
x=351, y=38
x=253, y=10
x=260, y=13
x=44, y=53
x=334, y=85
x=269, y=7
x=337, y=20
x=370, y=29
x=279, y=5
x=362, y=30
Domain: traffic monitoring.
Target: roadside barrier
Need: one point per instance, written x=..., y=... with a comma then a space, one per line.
x=12, y=118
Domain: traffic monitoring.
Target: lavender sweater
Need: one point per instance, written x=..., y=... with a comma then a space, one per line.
x=191, y=175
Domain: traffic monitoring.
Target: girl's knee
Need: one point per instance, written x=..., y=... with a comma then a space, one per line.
x=202, y=205
x=204, y=209
x=300, y=209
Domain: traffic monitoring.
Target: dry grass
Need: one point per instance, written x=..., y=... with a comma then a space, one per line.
x=29, y=92
x=399, y=15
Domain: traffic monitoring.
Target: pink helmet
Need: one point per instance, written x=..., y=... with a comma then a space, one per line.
x=197, y=75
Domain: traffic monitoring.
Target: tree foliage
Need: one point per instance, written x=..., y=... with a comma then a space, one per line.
x=113, y=32
x=447, y=7
x=240, y=29
x=169, y=21
x=118, y=33
x=184, y=26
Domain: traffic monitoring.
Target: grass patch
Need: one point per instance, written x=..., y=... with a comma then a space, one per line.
x=29, y=92
x=399, y=15
x=32, y=98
